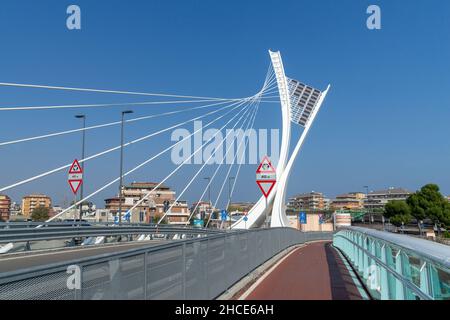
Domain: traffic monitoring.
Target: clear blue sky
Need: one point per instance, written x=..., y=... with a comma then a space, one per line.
x=385, y=121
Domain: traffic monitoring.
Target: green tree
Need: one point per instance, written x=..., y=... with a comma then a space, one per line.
x=398, y=212
x=40, y=214
x=399, y=220
x=396, y=207
x=429, y=203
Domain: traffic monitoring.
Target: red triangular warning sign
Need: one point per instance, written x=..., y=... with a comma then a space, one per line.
x=75, y=185
x=265, y=166
x=75, y=167
x=266, y=186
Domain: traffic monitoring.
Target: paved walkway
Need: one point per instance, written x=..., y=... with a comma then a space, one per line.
x=313, y=272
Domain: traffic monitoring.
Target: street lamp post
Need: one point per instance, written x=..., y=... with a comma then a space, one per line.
x=229, y=196
x=121, y=164
x=82, y=116
x=367, y=199
x=209, y=195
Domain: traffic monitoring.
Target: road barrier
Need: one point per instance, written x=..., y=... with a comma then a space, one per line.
x=200, y=268
x=52, y=231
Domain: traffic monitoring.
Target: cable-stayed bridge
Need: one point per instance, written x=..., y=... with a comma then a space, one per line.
x=299, y=104
x=157, y=261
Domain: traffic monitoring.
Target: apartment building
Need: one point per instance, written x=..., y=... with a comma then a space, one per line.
x=153, y=207
x=349, y=201
x=5, y=207
x=378, y=199
x=307, y=201
x=30, y=202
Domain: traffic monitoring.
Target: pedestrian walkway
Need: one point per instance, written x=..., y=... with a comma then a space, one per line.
x=313, y=272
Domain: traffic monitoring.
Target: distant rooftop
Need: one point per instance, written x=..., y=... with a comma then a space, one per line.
x=36, y=195
x=146, y=185
x=391, y=191
x=308, y=194
x=349, y=195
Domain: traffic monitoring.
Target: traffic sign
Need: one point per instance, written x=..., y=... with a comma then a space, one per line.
x=223, y=215
x=321, y=218
x=302, y=217
x=245, y=218
x=266, y=176
x=75, y=177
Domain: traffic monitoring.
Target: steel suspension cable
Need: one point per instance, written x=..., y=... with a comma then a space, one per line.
x=204, y=164
x=23, y=85
x=110, y=150
x=146, y=162
x=265, y=85
x=187, y=159
x=229, y=170
x=54, y=134
x=218, y=168
x=77, y=106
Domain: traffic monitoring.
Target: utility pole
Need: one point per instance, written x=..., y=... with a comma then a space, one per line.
x=209, y=194
x=82, y=116
x=367, y=199
x=121, y=165
x=229, y=196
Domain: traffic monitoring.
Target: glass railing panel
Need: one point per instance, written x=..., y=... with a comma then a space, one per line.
x=410, y=295
x=373, y=281
x=415, y=265
x=440, y=283
x=391, y=256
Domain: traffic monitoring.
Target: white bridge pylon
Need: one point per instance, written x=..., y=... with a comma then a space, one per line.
x=300, y=104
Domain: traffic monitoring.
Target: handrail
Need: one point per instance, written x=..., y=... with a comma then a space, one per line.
x=30, y=224
x=436, y=252
x=402, y=267
x=393, y=272
x=62, y=232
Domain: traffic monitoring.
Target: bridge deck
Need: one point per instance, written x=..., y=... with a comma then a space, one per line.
x=313, y=272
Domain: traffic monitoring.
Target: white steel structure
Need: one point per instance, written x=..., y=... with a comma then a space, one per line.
x=300, y=104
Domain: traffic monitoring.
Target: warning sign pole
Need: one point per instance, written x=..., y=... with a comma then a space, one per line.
x=75, y=209
x=267, y=215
